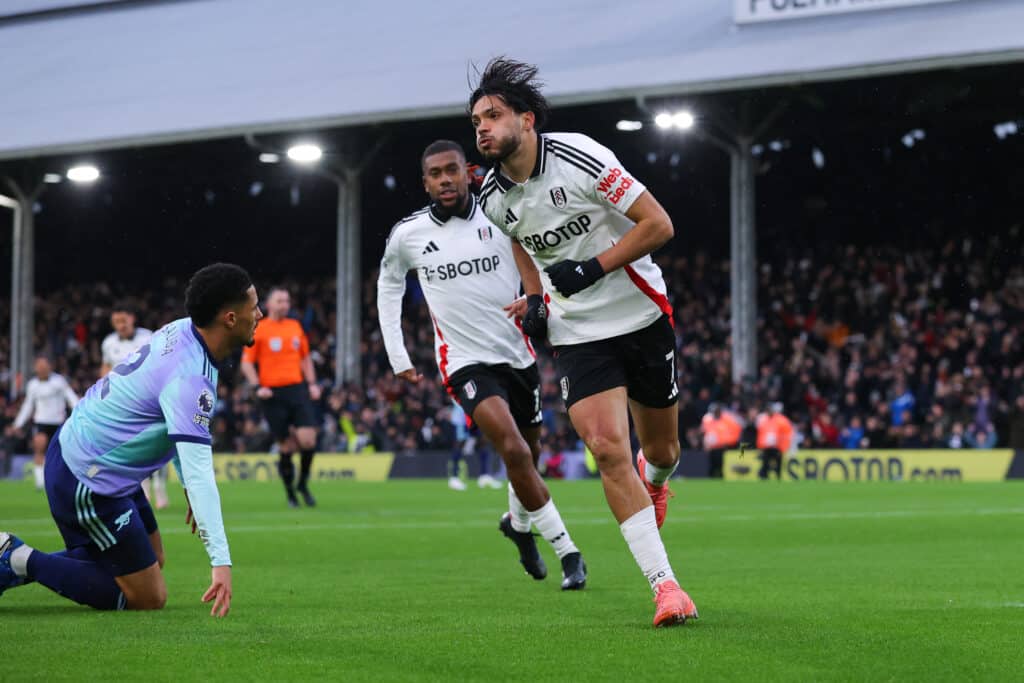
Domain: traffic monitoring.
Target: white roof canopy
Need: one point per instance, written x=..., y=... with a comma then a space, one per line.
x=147, y=73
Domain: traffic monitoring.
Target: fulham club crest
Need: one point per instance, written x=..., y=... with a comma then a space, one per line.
x=470, y=389
x=484, y=233
x=558, y=197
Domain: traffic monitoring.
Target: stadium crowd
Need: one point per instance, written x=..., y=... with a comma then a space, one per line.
x=865, y=347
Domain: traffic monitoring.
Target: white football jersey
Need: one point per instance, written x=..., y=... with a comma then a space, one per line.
x=573, y=206
x=467, y=272
x=115, y=349
x=46, y=401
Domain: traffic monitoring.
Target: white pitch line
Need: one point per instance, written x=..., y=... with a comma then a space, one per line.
x=608, y=520
x=674, y=519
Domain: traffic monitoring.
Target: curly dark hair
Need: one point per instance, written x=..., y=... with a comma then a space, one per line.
x=516, y=83
x=214, y=288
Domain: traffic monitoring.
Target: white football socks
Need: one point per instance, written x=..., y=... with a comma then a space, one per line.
x=552, y=529
x=644, y=541
x=520, y=517
x=37, y=470
x=659, y=475
x=19, y=560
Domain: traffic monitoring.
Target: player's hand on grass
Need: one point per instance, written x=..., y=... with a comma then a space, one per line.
x=411, y=376
x=190, y=518
x=314, y=391
x=219, y=591
x=264, y=392
x=569, y=277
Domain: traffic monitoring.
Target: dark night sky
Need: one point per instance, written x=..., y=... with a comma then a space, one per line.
x=168, y=210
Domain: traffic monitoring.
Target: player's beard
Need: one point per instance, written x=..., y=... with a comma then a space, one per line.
x=504, y=148
x=459, y=205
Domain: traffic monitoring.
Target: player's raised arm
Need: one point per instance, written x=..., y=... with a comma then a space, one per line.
x=390, y=290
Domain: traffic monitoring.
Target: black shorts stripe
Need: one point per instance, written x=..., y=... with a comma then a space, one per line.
x=579, y=152
x=586, y=169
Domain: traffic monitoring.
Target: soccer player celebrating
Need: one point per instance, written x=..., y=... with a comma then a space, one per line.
x=152, y=408
x=573, y=211
x=465, y=267
x=287, y=386
x=125, y=340
x=47, y=398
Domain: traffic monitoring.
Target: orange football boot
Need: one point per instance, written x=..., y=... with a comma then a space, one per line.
x=674, y=606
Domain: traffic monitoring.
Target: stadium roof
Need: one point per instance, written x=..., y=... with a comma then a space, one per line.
x=128, y=73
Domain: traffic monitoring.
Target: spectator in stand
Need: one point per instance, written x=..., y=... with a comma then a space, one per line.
x=825, y=432
x=957, y=438
x=852, y=328
x=981, y=436
x=852, y=436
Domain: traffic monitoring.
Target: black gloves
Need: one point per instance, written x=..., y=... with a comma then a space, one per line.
x=535, y=322
x=570, y=277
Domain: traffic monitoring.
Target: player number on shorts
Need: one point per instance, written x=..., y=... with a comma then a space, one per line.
x=130, y=365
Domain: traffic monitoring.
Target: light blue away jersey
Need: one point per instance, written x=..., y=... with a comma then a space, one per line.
x=127, y=424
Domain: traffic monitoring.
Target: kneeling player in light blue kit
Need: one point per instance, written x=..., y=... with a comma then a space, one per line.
x=153, y=408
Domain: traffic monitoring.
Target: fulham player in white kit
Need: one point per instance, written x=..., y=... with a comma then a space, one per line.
x=47, y=399
x=125, y=340
x=590, y=227
x=468, y=275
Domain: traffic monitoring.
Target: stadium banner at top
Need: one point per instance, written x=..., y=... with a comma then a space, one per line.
x=883, y=465
x=752, y=11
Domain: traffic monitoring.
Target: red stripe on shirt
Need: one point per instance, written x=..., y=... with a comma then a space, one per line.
x=526, y=338
x=659, y=299
x=443, y=352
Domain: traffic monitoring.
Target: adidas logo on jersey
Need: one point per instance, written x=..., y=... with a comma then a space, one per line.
x=510, y=217
x=431, y=248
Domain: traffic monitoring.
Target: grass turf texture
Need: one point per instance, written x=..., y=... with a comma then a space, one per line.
x=410, y=581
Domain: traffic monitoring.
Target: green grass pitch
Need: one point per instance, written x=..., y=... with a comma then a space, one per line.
x=406, y=580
